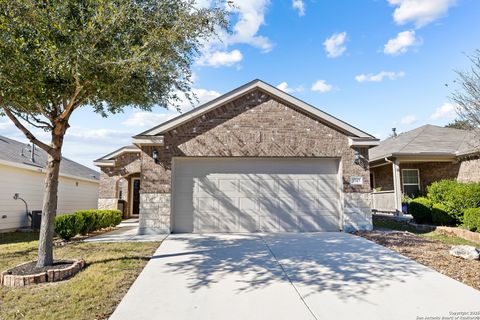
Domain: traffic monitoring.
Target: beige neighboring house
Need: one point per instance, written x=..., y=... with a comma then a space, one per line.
x=22, y=173
x=254, y=159
x=409, y=162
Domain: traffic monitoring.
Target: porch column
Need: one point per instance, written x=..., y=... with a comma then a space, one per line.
x=397, y=187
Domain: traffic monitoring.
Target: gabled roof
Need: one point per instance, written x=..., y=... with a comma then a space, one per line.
x=268, y=89
x=11, y=154
x=118, y=152
x=427, y=140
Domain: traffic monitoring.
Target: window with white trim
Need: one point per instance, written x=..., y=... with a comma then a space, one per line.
x=411, y=182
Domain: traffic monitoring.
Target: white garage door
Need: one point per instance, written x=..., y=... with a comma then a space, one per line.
x=252, y=195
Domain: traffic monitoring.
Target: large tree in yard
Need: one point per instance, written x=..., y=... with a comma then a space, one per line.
x=60, y=55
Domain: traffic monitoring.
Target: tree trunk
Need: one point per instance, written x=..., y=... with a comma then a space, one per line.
x=45, y=246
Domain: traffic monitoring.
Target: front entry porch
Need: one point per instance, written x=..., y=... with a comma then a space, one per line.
x=392, y=179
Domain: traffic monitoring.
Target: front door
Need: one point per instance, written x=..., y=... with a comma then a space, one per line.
x=135, y=196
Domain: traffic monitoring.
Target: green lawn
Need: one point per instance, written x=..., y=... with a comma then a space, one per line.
x=92, y=294
x=394, y=225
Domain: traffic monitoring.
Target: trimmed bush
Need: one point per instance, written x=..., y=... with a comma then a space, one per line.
x=455, y=196
x=421, y=210
x=68, y=226
x=440, y=216
x=471, y=219
x=86, y=221
x=90, y=218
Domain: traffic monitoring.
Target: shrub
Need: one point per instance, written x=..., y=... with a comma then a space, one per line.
x=109, y=218
x=90, y=218
x=440, y=216
x=421, y=210
x=86, y=221
x=68, y=225
x=471, y=219
x=456, y=196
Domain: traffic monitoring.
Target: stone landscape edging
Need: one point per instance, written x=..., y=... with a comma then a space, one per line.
x=12, y=280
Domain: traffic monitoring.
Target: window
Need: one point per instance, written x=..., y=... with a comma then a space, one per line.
x=411, y=182
x=372, y=180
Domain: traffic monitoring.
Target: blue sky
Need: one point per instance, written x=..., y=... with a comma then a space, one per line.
x=375, y=64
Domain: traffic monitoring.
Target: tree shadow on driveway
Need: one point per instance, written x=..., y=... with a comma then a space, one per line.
x=347, y=265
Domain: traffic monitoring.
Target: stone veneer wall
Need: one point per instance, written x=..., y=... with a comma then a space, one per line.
x=254, y=125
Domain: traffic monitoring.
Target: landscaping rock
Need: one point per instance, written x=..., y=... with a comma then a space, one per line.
x=465, y=252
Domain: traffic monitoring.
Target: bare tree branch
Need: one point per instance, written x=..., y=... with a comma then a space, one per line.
x=27, y=132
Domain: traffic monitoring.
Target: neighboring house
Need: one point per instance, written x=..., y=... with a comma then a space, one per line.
x=254, y=159
x=410, y=162
x=22, y=173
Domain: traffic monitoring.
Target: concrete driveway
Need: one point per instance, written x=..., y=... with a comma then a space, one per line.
x=289, y=276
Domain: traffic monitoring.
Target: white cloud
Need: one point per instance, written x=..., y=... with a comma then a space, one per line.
x=420, y=12
x=299, y=6
x=445, y=111
x=285, y=88
x=409, y=119
x=220, y=58
x=335, y=45
x=401, y=43
x=247, y=17
x=147, y=119
x=203, y=96
x=321, y=86
x=370, y=77
x=5, y=125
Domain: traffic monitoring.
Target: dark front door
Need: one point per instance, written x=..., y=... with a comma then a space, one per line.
x=136, y=197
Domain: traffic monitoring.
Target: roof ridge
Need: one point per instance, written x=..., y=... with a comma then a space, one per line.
x=424, y=127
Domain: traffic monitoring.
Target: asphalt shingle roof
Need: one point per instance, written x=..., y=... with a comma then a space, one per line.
x=427, y=140
x=11, y=150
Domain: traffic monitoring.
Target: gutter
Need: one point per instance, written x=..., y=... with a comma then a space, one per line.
x=42, y=170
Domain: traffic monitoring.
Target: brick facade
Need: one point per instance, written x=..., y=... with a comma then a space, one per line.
x=465, y=171
x=113, y=179
x=254, y=125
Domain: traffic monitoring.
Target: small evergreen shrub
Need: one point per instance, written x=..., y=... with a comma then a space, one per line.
x=455, y=196
x=421, y=210
x=471, y=219
x=90, y=218
x=85, y=221
x=440, y=216
x=68, y=226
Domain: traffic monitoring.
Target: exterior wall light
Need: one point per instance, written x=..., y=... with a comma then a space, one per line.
x=155, y=155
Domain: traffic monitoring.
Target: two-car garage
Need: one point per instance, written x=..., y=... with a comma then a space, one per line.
x=238, y=194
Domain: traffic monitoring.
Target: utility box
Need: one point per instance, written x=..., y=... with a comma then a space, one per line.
x=36, y=219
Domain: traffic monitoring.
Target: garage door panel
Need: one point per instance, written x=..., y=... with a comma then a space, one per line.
x=268, y=223
x=228, y=185
x=266, y=187
x=255, y=194
x=248, y=186
x=206, y=204
x=311, y=223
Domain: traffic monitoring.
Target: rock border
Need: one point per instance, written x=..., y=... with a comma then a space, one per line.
x=53, y=275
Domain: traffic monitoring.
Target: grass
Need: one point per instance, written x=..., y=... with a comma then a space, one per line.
x=94, y=293
x=395, y=225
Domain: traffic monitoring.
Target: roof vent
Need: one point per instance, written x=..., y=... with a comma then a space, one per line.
x=394, y=132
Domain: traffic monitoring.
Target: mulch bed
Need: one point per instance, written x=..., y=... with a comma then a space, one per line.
x=31, y=268
x=431, y=253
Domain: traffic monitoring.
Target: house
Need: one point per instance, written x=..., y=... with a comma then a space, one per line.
x=410, y=162
x=254, y=159
x=22, y=172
